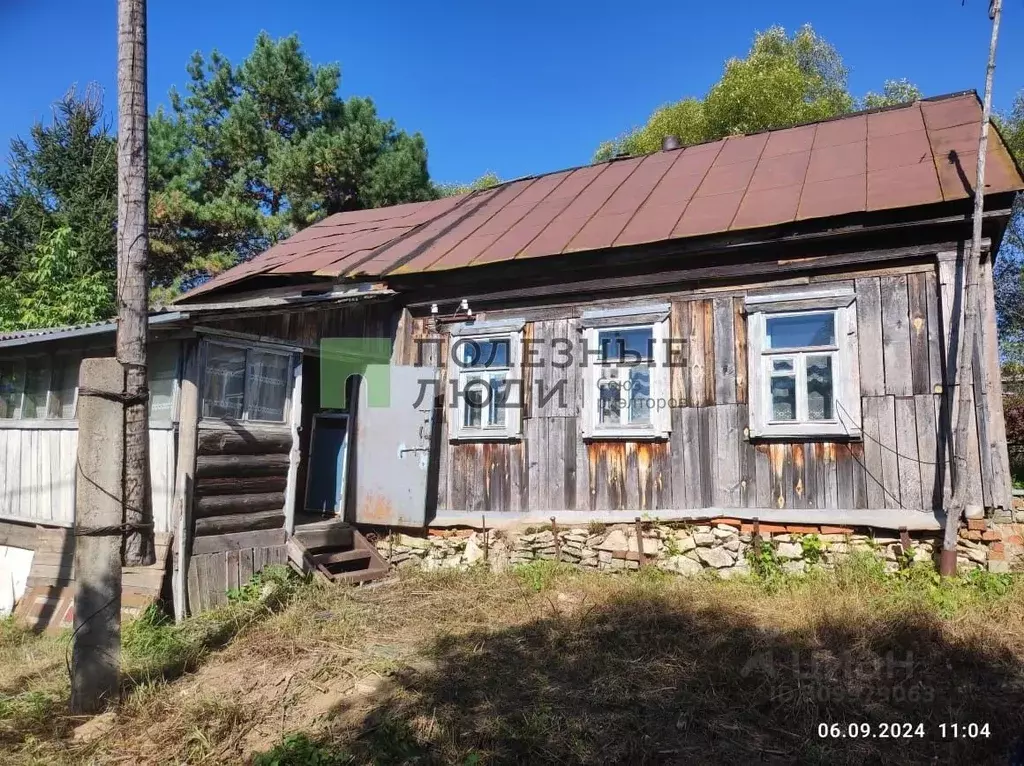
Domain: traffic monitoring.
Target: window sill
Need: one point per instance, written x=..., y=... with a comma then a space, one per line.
x=244, y=425
x=626, y=435
x=834, y=432
x=42, y=424
x=464, y=438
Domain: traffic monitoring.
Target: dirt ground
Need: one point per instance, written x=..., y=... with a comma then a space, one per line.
x=551, y=665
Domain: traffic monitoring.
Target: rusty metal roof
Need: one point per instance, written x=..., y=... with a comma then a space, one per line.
x=915, y=154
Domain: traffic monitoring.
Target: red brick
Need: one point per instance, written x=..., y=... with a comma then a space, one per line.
x=970, y=534
x=1015, y=540
x=837, y=530
x=996, y=547
x=978, y=524
x=990, y=534
x=996, y=556
x=730, y=522
x=772, y=529
x=798, y=530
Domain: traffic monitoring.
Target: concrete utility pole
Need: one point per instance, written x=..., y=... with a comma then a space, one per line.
x=96, y=655
x=132, y=281
x=965, y=362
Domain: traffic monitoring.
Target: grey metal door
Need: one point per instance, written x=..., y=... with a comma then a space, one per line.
x=392, y=449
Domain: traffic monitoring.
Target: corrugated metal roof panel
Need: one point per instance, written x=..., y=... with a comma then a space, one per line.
x=904, y=156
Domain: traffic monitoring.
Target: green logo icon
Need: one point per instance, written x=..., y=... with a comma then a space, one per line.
x=366, y=358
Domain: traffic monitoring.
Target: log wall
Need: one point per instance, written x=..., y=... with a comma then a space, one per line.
x=907, y=319
x=241, y=473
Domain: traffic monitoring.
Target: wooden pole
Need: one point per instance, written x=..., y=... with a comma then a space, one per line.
x=184, y=481
x=641, y=558
x=965, y=371
x=96, y=651
x=132, y=281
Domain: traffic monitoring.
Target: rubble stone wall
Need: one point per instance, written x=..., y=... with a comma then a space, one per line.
x=719, y=545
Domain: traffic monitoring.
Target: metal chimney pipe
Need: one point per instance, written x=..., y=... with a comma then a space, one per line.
x=670, y=142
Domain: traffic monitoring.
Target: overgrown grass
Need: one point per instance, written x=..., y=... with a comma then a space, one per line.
x=34, y=683
x=552, y=664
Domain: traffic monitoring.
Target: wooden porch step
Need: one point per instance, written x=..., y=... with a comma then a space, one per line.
x=355, y=563
x=325, y=536
x=342, y=557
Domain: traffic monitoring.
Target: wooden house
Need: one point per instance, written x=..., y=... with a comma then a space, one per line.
x=762, y=327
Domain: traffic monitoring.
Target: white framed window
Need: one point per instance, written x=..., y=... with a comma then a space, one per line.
x=485, y=377
x=245, y=382
x=626, y=394
x=802, y=366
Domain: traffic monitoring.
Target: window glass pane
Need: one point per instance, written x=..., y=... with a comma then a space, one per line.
x=640, y=402
x=475, y=397
x=163, y=369
x=801, y=330
x=499, y=398
x=12, y=377
x=484, y=353
x=819, y=388
x=609, y=407
x=223, y=382
x=37, y=384
x=62, y=387
x=782, y=365
x=783, y=397
x=630, y=345
x=268, y=386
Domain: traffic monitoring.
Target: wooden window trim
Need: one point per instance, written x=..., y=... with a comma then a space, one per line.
x=512, y=430
x=660, y=426
x=263, y=348
x=847, y=423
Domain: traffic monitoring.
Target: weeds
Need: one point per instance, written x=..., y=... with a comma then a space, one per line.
x=812, y=549
x=300, y=750
x=540, y=575
x=764, y=562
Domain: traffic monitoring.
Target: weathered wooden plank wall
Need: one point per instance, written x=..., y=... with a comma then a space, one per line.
x=307, y=327
x=904, y=317
x=37, y=474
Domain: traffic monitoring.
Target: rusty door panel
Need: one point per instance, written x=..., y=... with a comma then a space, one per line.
x=392, y=450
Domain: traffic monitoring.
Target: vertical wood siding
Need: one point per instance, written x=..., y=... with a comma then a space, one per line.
x=37, y=474
x=902, y=460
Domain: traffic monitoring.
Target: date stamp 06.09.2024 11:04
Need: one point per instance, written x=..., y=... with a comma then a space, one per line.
x=904, y=730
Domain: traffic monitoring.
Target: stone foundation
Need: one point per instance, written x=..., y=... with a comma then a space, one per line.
x=720, y=545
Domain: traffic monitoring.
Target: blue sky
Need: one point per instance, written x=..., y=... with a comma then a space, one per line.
x=517, y=88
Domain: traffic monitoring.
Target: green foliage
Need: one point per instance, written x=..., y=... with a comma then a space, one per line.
x=55, y=286
x=1008, y=273
x=486, y=181
x=62, y=176
x=540, y=575
x=893, y=92
x=253, y=152
x=764, y=562
x=784, y=80
x=299, y=750
x=812, y=548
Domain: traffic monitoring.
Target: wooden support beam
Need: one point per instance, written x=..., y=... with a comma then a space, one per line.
x=184, y=480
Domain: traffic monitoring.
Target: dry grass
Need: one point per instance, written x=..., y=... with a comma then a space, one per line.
x=559, y=666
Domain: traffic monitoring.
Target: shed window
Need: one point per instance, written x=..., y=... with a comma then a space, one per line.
x=38, y=387
x=486, y=385
x=627, y=390
x=163, y=379
x=242, y=383
x=803, y=362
